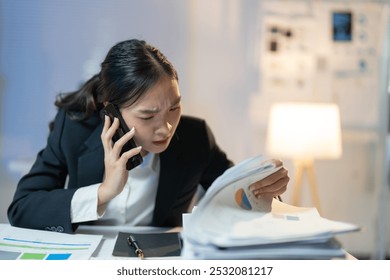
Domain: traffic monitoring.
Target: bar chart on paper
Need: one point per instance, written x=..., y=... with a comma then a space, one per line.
x=26, y=244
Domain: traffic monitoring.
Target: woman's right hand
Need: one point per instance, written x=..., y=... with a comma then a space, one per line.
x=116, y=173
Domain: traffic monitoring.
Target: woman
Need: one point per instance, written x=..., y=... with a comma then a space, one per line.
x=81, y=175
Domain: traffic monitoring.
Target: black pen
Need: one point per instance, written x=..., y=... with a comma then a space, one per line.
x=137, y=249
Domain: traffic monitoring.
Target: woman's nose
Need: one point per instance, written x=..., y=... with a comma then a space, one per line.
x=164, y=128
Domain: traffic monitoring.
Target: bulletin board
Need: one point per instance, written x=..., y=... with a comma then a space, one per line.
x=323, y=51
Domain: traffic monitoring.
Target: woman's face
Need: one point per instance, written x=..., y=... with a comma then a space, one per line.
x=155, y=116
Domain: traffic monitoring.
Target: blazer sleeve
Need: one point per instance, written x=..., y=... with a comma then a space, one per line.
x=41, y=200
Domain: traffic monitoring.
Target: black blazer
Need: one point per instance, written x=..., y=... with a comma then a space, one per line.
x=74, y=154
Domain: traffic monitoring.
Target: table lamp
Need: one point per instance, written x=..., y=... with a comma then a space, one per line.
x=304, y=132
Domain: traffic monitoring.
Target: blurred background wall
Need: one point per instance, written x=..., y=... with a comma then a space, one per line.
x=228, y=75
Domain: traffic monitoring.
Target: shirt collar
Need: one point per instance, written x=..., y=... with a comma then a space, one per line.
x=150, y=161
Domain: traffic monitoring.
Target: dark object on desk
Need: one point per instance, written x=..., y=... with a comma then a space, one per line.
x=134, y=244
x=153, y=245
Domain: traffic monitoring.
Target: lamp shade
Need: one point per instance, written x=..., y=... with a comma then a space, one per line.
x=302, y=130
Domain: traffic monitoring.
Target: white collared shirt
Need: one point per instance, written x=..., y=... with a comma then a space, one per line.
x=133, y=206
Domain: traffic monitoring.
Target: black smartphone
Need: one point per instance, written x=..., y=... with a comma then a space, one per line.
x=113, y=112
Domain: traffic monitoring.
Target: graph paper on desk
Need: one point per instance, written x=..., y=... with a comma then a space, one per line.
x=26, y=244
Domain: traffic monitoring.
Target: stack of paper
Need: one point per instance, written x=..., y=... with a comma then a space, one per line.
x=230, y=223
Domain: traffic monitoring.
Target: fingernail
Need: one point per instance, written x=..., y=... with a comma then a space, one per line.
x=258, y=196
x=257, y=193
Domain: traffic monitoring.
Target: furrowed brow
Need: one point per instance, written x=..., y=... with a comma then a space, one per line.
x=151, y=111
x=177, y=101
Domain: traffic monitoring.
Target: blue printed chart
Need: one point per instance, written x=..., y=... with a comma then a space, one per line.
x=26, y=244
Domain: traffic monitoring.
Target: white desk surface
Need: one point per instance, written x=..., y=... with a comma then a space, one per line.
x=104, y=251
x=109, y=233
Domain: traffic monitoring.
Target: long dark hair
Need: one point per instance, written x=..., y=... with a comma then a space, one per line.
x=130, y=68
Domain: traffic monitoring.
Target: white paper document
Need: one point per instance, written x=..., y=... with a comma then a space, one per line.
x=230, y=222
x=27, y=244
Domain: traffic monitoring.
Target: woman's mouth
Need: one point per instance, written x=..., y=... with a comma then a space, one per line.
x=161, y=142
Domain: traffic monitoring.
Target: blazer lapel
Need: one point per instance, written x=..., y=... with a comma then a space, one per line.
x=91, y=159
x=170, y=176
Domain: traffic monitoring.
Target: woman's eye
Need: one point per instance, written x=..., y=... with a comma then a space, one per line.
x=175, y=108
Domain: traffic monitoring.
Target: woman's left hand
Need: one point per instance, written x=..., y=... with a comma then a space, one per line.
x=272, y=185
